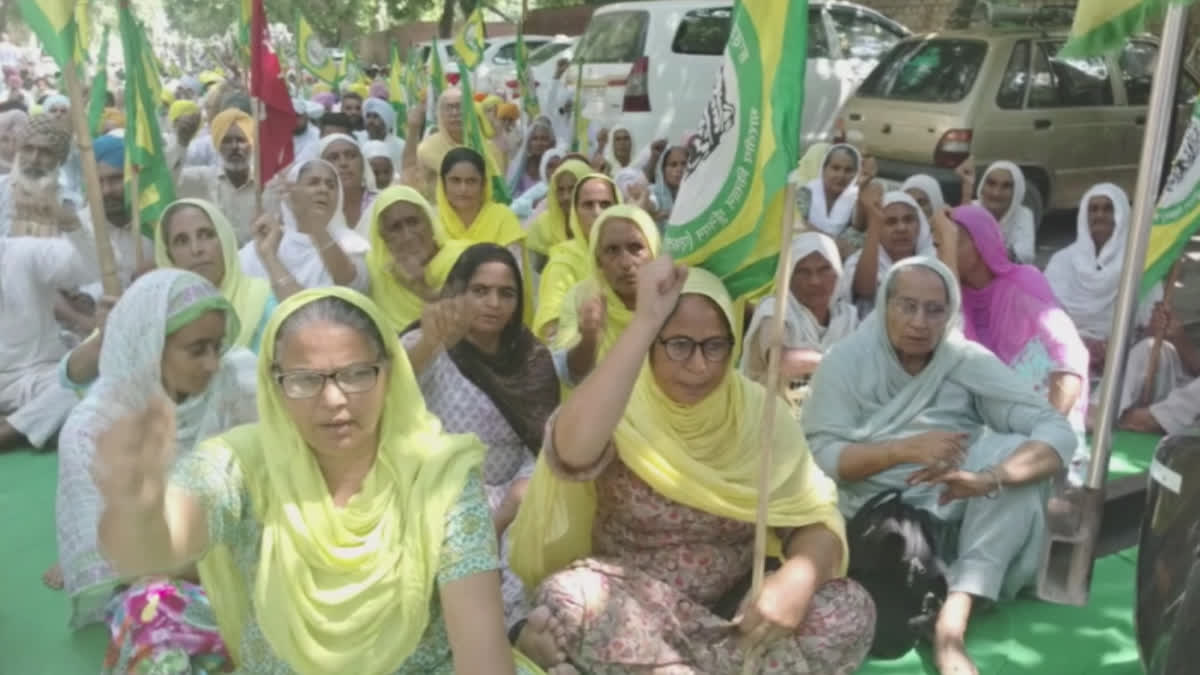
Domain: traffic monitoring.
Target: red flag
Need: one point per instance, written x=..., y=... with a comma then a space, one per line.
x=275, y=129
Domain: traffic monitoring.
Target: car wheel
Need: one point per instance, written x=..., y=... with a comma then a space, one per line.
x=1036, y=203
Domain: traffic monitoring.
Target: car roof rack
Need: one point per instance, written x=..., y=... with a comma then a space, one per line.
x=1003, y=15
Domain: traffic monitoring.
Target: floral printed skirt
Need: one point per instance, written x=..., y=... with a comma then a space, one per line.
x=164, y=626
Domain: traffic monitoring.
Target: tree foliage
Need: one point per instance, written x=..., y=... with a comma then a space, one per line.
x=334, y=22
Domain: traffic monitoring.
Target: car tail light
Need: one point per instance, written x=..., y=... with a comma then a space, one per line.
x=512, y=84
x=452, y=78
x=637, y=87
x=953, y=148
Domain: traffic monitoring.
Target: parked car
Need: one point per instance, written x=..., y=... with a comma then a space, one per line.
x=652, y=65
x=499, y=56
x=542, y=58
x=999, y=92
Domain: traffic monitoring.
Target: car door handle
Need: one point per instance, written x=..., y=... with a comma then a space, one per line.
x=1041, y=124
x=855, y=117
x=1140, y=120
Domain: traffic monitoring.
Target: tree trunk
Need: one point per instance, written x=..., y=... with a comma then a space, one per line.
x=446, y=23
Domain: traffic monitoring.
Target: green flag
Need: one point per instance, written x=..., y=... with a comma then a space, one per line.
x=1177, y=216
x=1101, y=26
x=60, y=25
x=143, y=142
x=473, y=138
x=437, y=82
x=312, y=53
x=529, y=100
x=579, y=123
x=469, y=44
x=730, y=205
x=99, y=88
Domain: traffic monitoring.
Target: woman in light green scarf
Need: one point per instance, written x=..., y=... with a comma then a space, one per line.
x=343, y=533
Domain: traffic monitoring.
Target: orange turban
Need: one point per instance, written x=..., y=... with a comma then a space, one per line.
x=222, y=123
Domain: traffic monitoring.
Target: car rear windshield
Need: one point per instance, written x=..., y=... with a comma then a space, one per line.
x=937, y=71
x=703, y=31
x=614, y=37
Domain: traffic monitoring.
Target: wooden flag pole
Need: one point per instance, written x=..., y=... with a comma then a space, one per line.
x=1159, y=335
x=91, y=181
x=767, y=429
x=135, y=208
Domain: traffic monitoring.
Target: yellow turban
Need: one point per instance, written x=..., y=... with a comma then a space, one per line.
x=114, y=118
x=180, y=108
x=223, y=122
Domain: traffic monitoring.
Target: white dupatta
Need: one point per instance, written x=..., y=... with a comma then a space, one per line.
x=833, y=219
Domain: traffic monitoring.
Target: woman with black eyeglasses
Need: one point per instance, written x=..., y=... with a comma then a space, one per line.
x=482, y=371
x=639, y=518
x=345, y=532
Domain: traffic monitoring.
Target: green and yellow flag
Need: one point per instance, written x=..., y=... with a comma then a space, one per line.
x=529, y=99
x=245, y=15
x=469, y=43
x=579, y=123
x=61, y=26
x=473, y=138
x=350, y=72
x=1177, y=216
x=1103, y=25
x=312, y=54
x=143, y=142
x=99, y=88
x=727, y=215
x=397, y=95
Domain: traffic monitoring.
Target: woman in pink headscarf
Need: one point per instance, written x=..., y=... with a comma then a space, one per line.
x=1011, y=310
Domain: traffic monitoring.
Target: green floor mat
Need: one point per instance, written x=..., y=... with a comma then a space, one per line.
x=1132, y=453
x=1026, y=637
x=1036, y=638
x=33, y=620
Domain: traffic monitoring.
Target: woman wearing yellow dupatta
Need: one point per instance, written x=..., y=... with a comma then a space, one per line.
x=466, y=207
x=194, y=235
x=409, y=257
x=346, y=532
x=571, y=260
x=551, y=227
x=429, y=154
x=597, y=310
x=639, y=519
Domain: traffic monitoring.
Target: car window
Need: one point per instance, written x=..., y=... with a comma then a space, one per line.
x=1011, y=95
x=1188, y=89
x=703, y=31
x=546, y=52
x=1137, y=71
x=862, y=34
x=931, y=70
x=505, y=54
x=1069, y=83
x=614, y=37
x=818, y=40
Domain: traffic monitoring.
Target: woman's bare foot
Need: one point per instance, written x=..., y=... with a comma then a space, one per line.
x=53, y=578
x=950, y=654
x=541, y=640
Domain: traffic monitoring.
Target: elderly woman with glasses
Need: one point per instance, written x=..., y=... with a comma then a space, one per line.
x=637, y=529
x=908, y=403
x=345, y=532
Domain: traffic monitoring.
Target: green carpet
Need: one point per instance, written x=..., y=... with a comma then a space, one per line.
x=1026, y=637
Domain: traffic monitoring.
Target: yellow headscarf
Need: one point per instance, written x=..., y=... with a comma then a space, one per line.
x=571, y=261
x=703, y=456
x=495, y=224
x=180, y=108
x=224, y=121
x=248, y=295
x=400, y=305
x=617, y=315
x=550, y=228
x=341, y=590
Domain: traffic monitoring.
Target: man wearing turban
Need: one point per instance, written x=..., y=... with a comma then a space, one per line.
x=30, y=198
x=231, y=186
x=379, y=117
x=184, y=118
x=122, y=230
x=305, y=133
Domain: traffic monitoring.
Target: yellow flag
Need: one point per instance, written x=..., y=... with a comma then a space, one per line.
x=61, y=27
x=1102, y=25
x=469, y=43
x=312, y=54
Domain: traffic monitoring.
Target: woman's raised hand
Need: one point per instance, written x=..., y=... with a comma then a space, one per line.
x=660, y=282
x=133, y=456
x=268, y=232
x=446, y=322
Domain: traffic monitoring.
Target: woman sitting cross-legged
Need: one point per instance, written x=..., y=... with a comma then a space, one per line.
x=345, y=532
x=481, y=371
x=908, y=403
x=171, y=330
x=639, y=519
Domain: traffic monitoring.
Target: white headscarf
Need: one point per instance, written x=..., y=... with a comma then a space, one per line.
x=130, y=371
x=801, y=328
x=1017, y=223
x=1085, y=281
x=296, y=250
x=924, y=248
x=517, y=166
x=326, y=141
x=833, y=219
x=373, y=149
x=637, y=158
x=929, y=185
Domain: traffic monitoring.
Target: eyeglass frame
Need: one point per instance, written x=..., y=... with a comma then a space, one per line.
x=278, y=375
x=727, y=340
